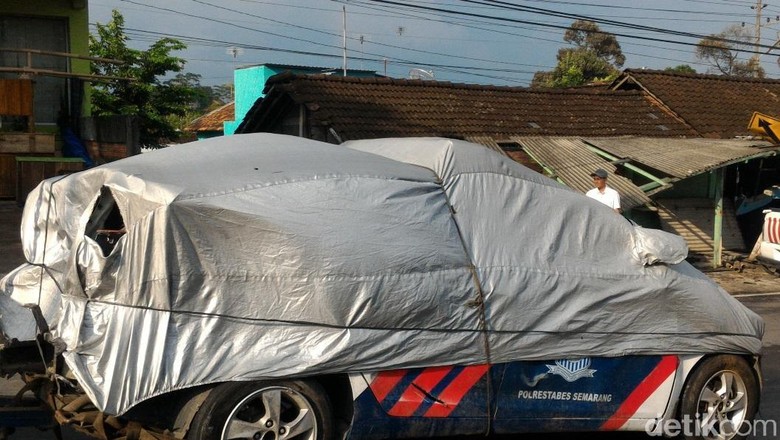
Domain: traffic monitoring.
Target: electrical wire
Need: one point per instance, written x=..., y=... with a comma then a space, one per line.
x=397, y=60
x=426, y=52
x=537, y=38
x=485, y=23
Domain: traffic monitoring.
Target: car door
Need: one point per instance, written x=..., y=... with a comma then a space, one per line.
x=583, y=394
x=416, y=402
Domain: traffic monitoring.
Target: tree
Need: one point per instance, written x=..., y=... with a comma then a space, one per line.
x=204, y=98
x=587, y=35
x=222, y=93
x=721, y=51
x=682, y=68
x=596, y=57
x=145, y=95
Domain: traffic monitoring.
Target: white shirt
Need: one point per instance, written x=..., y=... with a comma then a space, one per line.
x=609, y=197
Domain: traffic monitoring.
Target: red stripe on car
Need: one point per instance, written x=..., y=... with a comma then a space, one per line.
x=646, y=388
x=384, y=382
x=415, y=393
x=454, y=392
x=774, y=225
x=772, y=229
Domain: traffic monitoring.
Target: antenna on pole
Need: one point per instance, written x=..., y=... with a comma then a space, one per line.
x=362, y=38
x=235, y=52
x=344, y=63
x=421, y=74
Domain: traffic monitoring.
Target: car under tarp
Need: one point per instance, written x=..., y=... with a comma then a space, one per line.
x=264, y=256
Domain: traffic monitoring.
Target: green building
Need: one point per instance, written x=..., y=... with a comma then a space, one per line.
x=29, y=27
x=249, y=83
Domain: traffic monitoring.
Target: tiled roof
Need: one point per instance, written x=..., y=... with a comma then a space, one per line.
x=363, y=108
x=213, y=121
x=716, y=106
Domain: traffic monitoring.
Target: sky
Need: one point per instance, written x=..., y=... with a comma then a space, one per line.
x=499, y=42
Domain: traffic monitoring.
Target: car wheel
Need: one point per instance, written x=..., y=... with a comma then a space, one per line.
x=720, y=399
x=264, y=410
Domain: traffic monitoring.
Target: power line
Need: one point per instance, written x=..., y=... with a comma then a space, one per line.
x=494, y=30
x=398, y=60
x=426, y=52
x=549, y=12
x=635, y=8
x=402, y=62
x=573, y=16
x=484, y=22
x=222, y=43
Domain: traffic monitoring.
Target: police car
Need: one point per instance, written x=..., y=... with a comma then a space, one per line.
x=697, y=396
x=291, y=289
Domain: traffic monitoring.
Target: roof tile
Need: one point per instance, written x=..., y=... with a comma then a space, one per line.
x=362, y=108
x=717, y=106
x=213, y=121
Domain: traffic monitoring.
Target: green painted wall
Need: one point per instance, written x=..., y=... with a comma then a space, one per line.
x=77, y=13
x=249, y=83
x=78, y=20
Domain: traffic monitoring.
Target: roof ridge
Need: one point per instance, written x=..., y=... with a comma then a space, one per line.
x=290, y=77
x=715, y=77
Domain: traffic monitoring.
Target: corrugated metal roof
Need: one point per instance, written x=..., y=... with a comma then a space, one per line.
x=572, y=162
x=486, y=141
x=682, y=158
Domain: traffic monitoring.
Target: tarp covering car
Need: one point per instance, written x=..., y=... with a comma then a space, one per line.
x=261, y=256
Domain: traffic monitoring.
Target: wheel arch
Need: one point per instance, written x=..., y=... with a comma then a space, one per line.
x=178, y=408
x=693, y=375
x=753, y=362
x=687, y=364
x=339, y=391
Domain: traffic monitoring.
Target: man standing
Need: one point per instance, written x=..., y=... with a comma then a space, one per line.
x=602, y=192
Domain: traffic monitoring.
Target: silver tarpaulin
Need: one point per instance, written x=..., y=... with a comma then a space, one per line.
x=262, y=256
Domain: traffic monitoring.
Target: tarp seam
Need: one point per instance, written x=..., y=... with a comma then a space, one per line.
x=431, y=329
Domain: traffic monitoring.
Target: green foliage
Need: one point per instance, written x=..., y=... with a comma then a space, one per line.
x=587, y=35
x=596, y=57
x=222, y=94
x=149, y=98
x=682, y=68
x=720, y=52
x=205, y=99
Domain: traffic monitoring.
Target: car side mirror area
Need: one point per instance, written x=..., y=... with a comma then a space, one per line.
x=653, y=246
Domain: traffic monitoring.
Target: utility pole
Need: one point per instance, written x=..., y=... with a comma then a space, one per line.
x=760, y=5
x=760, y=22
x=344, y=64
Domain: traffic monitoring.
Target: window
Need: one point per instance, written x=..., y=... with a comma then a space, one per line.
x=39, y=33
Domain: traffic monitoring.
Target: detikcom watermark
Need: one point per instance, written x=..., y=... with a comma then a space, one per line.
x=696, y=427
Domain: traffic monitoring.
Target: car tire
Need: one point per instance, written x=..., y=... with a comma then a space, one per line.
x=719, y=400
x=268, y=410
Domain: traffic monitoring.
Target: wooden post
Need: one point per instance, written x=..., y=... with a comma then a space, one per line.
x=717, y=236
